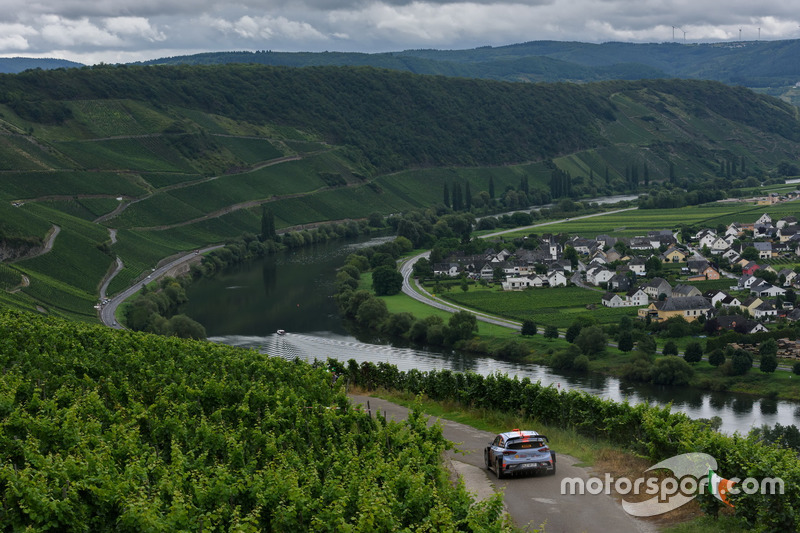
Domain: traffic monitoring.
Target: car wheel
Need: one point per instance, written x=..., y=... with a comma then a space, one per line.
x=486, y=459
x=553, y=472
x=498, y=468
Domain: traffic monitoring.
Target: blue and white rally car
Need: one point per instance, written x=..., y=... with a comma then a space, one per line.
x=519, y=451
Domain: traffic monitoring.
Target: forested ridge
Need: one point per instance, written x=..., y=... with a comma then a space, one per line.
x=397, y=119
x=748, y=63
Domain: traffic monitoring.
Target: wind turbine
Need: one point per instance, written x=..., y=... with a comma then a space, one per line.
x=740, y=34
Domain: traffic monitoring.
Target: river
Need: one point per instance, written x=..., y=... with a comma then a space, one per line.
x=246, y=305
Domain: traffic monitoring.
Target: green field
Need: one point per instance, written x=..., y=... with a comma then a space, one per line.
x=559, y=306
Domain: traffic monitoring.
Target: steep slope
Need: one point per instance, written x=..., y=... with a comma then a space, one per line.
x=178, y=157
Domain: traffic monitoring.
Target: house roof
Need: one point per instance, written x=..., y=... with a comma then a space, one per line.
x=683, y=304
x=682, y=289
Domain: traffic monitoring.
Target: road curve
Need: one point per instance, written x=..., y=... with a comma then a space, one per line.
x=421, y=295
x=530, y=500
x=109, y=310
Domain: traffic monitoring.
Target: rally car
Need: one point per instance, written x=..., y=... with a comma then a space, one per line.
x=519, y=451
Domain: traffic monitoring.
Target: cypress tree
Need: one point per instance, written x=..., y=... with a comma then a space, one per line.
x=491, y=187
x=467, y=196
x=446, y=195
x=267, y=223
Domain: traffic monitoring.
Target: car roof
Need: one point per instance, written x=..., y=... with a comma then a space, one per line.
x=517, y=433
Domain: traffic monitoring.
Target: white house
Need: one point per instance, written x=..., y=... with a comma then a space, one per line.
x=637, y=265
x=516, y=283
x=557, y=279
x=719, y=245
x=708, y=239
x=765, y=311
x=610, y=299
x=764, y=219
x=637, y=297
x=598, y=275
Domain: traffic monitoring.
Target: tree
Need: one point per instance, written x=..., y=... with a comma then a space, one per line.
x=467, y=197
x=464, y=284
x=768, y=347
x=592, y=341
x=386, y=280
x=528, y=327
x=716, y=358
x=647, y=344
x=796, y=368
x=693, y=352
x=571, y=254
x=670, y=348
x=741, y=362
x=625, y=341
x=267, y=223
x=446, y=195
x=372, y=312
x=491, y=187
x=572, y=331
x=462, y=325
x=550, y=332
x=769, y=362
x=653, y=265
x=750, y=253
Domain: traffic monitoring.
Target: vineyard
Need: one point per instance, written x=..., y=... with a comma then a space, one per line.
x=558, y=307
x=109, y=431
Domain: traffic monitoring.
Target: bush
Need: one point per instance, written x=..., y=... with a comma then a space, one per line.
x=796, y=368
x=670, y=348
x=550, y=332
x=671, y=370
x=769, y=363
x=581, y=364
x=511, y=349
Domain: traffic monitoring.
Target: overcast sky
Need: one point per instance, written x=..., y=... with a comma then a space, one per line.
x=112, y=31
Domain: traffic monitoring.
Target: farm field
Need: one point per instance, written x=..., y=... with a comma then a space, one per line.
x=640, y=221
x=558, y=307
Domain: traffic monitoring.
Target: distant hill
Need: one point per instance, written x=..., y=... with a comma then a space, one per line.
x=13, y=65
x=751, y=63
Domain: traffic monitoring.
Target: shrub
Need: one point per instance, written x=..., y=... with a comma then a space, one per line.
x=693, y=353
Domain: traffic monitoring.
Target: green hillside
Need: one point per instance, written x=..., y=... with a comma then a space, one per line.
x=109, y=431
x=175, y=158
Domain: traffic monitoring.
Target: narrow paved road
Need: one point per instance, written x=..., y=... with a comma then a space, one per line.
x=109, y=310
x=530, y=500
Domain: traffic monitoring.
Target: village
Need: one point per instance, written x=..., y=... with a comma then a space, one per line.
x=633, y=272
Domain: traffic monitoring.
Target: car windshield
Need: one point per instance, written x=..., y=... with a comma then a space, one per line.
x=524, y=444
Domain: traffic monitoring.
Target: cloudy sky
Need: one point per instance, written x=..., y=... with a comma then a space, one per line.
x=111, y=31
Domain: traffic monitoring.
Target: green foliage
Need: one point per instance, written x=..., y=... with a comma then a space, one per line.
x=671, y=370
x=117, y=431
x=693, y=352
x=741, y=362
x=716, y=357
x=550, y=332
x=528, y=327
x=670, y=348
x=768, y=363
x=386, y=280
